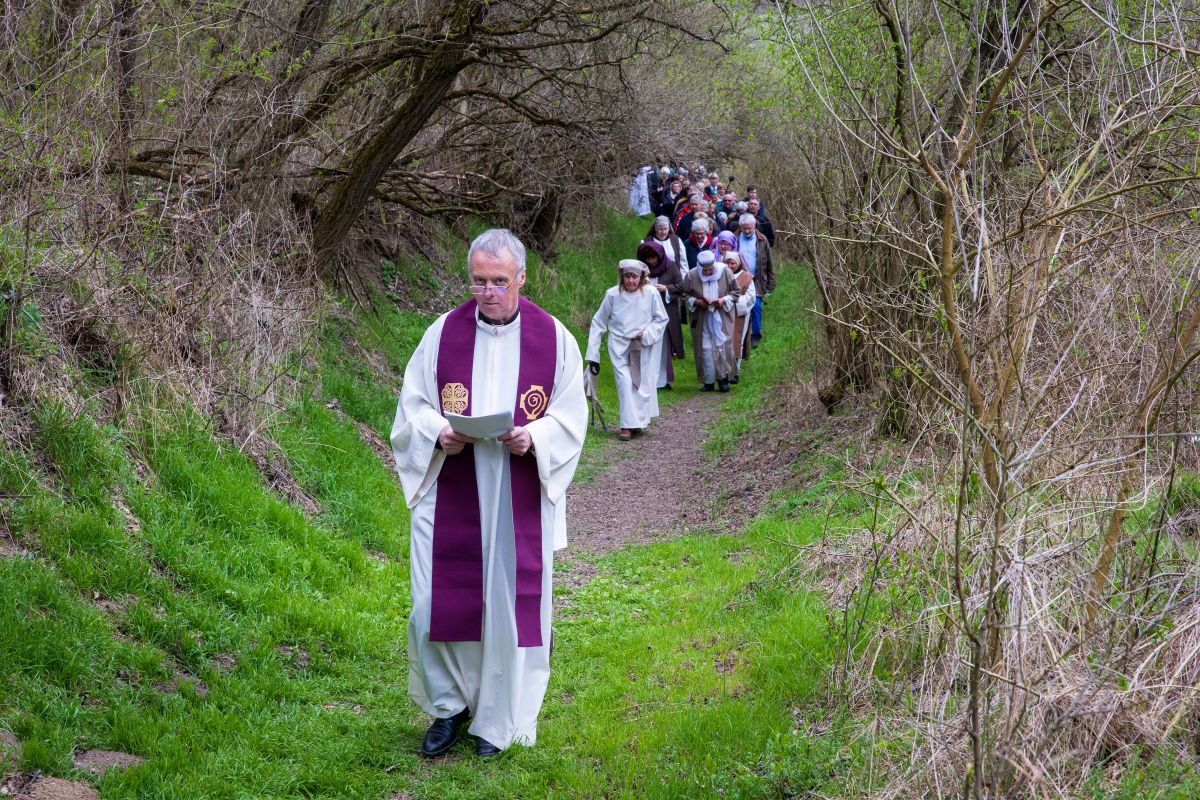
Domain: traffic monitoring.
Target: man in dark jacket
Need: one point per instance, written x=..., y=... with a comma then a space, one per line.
x=752, y=194
x=754, y=206
x=697, y=241
x=685, y=213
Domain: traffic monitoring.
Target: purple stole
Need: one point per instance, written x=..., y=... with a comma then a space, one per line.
x=457, y=605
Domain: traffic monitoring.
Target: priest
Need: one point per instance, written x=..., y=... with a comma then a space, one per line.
x=487, y=514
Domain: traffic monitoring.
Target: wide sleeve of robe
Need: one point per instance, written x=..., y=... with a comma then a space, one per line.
x=672, y=278
x=653, y=332
x=419, y=419
x=599, y=325
x=558, y=434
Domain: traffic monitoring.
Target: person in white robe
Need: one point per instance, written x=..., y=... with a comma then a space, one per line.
x=492, y=681
x=634, y=317
x=639, y=193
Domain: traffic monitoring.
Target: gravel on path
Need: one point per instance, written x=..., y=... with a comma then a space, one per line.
x=652, y=487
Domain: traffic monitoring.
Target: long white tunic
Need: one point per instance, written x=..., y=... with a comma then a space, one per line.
x=502, y=684
x=623, y=314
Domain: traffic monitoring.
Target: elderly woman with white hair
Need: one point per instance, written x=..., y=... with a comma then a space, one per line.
x=634, y=317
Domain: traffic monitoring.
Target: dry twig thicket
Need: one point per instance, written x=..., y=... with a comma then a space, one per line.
x=1000, y=203
x=178, y=180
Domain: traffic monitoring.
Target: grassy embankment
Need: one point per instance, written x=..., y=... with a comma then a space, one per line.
x=168, y=604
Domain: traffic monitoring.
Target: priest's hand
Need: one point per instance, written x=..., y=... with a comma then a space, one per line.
x=453, y=443
x=518, y=441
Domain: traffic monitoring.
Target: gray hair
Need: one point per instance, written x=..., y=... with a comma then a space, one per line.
x=700, y=225
x=748, y=219
x=662, y=221
x=741, y=206
x=496, y=242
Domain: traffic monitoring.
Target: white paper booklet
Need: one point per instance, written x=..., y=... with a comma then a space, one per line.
x=488, y=426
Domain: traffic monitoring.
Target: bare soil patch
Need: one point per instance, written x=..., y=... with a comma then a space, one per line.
x=99, y=762
x=37, y=787
x=8, y=545
x=661, y=484
x=10, y=751
x=653, y=486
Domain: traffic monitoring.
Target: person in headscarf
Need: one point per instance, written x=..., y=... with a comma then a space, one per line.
x=725, y=241
x=668, y=280
x=672, y=245
x=633, y=316
x=739, y=343
x=712, y=293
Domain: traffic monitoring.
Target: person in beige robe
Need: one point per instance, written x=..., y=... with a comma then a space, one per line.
x=711, y=295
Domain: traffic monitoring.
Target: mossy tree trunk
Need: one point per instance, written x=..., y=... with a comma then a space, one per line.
x=394, y=130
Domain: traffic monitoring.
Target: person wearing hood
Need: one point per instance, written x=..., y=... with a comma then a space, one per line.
x=668, y=280
x=712, y=293
x=739, y=343
x=634, y=317
x=672, y=245
x=721, y=245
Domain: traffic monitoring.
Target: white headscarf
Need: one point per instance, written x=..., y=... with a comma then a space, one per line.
x=713, y=324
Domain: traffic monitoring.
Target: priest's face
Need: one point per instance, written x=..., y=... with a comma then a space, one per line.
x=492, y=273
x=630, y=281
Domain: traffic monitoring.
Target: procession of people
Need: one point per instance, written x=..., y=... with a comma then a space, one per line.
x=490, y=426
x=707, y=263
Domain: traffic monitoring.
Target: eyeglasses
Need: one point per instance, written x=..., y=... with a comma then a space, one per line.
x=483, y=288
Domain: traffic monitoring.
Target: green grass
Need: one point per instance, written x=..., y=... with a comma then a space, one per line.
x=172, y=605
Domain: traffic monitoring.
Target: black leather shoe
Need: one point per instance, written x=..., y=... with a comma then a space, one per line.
x=708, y=387
x=723, y=385
x=734, y=380
x=485, y=749
x=443, y=733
